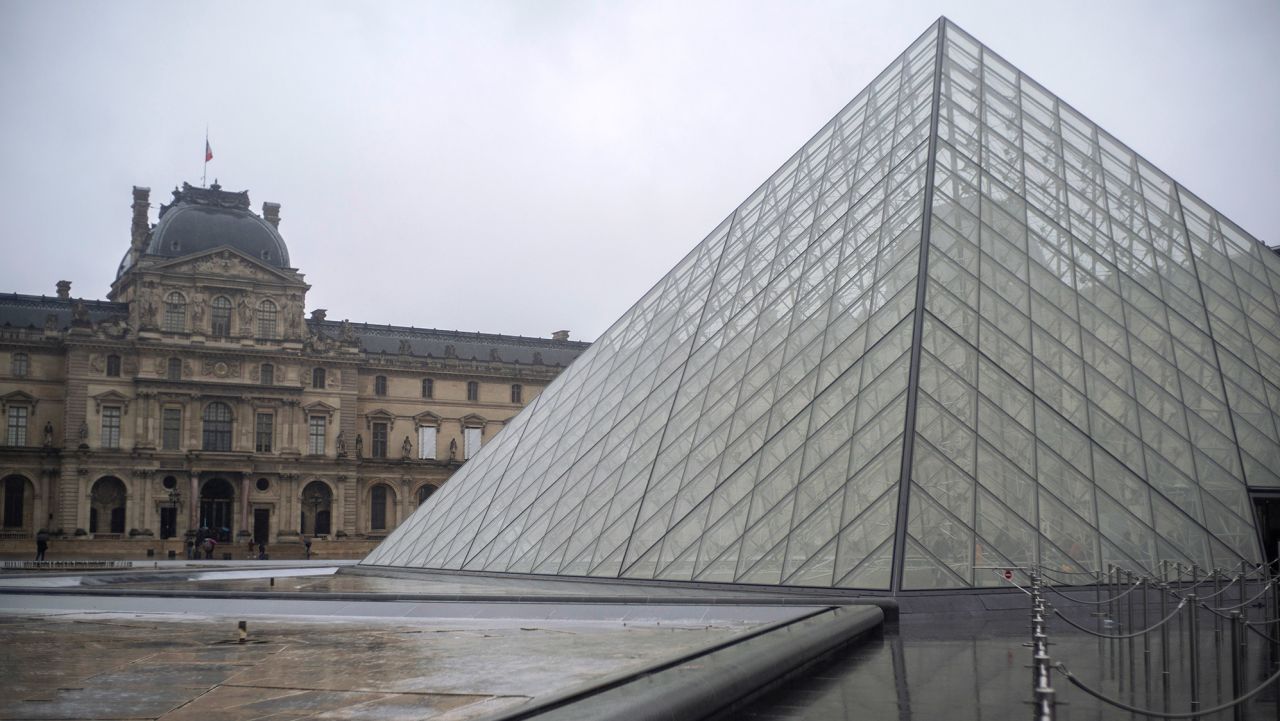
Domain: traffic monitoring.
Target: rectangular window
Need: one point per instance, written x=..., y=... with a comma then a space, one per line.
x=315, y=435
x=111, y=427
x=379, y=440
x=17, y=435
x=428, y=388
x=113, y=366
x=517, y=393
x=380, y=385
x=171, y=429
x=175, y=369
x=427, y=442
x=471, y=441
x=268, y=374
x=473, y=391
x=264, y=431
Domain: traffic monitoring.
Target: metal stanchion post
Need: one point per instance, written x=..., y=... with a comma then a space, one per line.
x=1129, y=627
x=1237, y=685
x=1193, y=655
x=1164, y=644
x=1146, y=644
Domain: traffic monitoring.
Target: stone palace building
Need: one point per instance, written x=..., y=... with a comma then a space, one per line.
x=198, y=395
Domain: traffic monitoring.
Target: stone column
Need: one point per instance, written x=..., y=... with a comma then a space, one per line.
x=244, y=505
x=193, y=507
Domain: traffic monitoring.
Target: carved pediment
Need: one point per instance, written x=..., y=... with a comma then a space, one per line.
x=380, y=415
x=18, y=398
x=110, y=398
x=319, y=408
x=227, y=262
x=474, y=420
x=426, y=418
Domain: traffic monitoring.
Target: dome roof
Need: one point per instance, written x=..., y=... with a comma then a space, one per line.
x=201, y=219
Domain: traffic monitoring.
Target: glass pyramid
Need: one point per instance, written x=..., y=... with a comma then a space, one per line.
x=961, y=327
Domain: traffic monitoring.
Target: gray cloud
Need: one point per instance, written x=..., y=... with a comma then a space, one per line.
x=523, y=167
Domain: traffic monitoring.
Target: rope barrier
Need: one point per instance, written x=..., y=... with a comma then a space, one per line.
x=1135, y=634
x=1263, y=635
x=1222, y=590
x=1162, y=714
x=1245, y=603
x=1097, y=603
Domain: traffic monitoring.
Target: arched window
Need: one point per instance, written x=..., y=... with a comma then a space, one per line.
x=424, y=493
x=175, y=313
x=473, y=391
x=19, y=364
x=517, y=393
x=378, y=508
x=317, y=378
x=113, y=366
x=380, y=385
x=266, y=319
x=220, y=317
x=268, y=374
x=217, y=427
x=174, y=369
x=428, y=388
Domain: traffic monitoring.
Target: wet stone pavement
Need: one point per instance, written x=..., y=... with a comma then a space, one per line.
x=85, y=665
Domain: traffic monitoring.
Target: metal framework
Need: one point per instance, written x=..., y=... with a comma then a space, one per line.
x=961, y=327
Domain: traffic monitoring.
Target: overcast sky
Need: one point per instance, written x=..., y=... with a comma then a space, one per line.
x=529, y=166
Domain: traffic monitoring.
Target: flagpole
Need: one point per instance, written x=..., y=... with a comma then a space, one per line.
x=205, y=171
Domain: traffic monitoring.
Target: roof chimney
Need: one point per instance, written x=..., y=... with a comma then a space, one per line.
x=141, y=226
x=64, y=289
x=560, y=335
x=271, y=214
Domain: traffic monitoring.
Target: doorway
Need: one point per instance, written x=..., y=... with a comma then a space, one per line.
x=1266, y=508
x=261, y=525
x=215, y=508
x=168, y=522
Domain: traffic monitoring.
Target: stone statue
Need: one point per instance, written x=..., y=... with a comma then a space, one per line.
x=359, y=446
x=84, y=434
x=453, y=449
x=48, y=434
x=342, y=444
x=406, y=348
x=346, y=332
x=79, y=313
x=246, y=313
x=149, y=311
x=406, y=448
x=197, y=310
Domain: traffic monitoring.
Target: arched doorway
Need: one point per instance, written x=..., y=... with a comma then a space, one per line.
x=18, y=496
x=216, y=503
x=317, y=504
x=424, y=493
x=106, y=505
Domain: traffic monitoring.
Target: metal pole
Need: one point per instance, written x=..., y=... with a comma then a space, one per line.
x=1164, y=644
x=1129, y=629
x=1194, y=650
x=1237, y=685
x=1146, y=645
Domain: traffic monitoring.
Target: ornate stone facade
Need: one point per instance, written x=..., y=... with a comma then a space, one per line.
x=200, y=395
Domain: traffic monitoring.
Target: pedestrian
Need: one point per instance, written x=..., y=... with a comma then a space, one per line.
x=250, y=556
x=306, y=545
x=262, y=551
x=42, y=543
x=209, y=544
x=191, y=548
